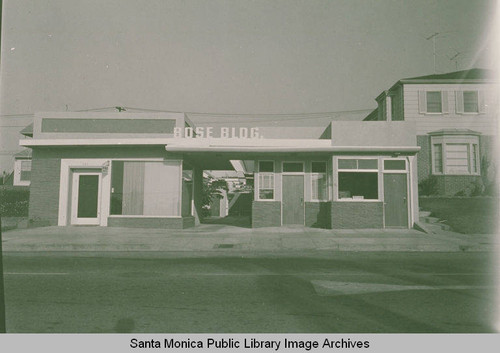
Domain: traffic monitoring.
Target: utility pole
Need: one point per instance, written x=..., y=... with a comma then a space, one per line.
x=2, y=289
x=433, y=37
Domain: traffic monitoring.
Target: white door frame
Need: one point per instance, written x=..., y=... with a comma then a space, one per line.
x=74, y=199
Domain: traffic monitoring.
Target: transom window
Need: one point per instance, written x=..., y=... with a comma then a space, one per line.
x=358, y=164
x=394, y=164
x=293, y=167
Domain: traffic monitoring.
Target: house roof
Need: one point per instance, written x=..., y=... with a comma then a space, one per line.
x=28, y=130
x=472, y=74
x=26, y=153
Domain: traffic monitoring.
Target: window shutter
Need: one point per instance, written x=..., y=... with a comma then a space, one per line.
x=481, y=102
x=444, y=101
x=459, y=101
x=422, y=104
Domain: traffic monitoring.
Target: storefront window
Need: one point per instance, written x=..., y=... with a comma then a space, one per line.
x=358, y=179
x=319, y=182
x=266, y=180
x=145, y=188
x=358, y=186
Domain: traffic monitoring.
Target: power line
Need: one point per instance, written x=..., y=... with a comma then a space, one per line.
x=308, y=115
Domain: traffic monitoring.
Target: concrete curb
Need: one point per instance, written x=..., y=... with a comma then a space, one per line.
x=231, y=241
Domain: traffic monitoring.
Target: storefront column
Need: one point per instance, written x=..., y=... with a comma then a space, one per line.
x=197, y=194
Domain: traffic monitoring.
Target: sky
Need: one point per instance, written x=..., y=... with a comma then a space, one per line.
x=225, y=56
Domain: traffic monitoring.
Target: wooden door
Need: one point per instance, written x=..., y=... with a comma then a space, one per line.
x=293, y=199
x=396, y=200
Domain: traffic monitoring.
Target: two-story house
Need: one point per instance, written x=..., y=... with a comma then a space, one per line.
x=456, y=126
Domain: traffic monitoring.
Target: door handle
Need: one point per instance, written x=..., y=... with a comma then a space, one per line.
x=302, y=201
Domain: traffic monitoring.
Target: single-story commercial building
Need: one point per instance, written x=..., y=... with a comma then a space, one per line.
x=146, y=170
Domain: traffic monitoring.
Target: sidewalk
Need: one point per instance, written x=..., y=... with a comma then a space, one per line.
x=230, y=239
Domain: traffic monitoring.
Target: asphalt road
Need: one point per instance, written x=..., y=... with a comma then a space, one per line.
x=327, y=293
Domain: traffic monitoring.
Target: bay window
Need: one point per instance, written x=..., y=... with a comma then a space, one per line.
x=455, y=155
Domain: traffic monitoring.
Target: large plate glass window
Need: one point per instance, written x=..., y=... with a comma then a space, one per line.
x=319, y=182
x=358, y=179
x=266, y=180
x=145, y=188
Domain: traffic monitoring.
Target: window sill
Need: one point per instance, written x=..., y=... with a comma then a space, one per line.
x=142, y=216
x=353, y=200
x=449, y=174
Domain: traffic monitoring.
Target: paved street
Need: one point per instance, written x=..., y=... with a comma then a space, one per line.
x=321, y=292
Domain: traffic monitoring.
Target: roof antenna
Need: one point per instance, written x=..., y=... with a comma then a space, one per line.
x=454, y=58
x=433, y=37
x=120, y=109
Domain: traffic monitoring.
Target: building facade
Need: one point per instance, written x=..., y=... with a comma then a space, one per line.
x=146, y=170
x=456, y=118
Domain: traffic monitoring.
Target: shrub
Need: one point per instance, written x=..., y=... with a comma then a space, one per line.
x=14, y=201
x=428, y=186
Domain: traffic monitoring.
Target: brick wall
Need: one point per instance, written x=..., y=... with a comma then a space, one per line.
x=188, y=222
x=424, y=157
x=266, y=214
x=356, y=215
x=318, y=214
x=449, y=185
x=44, y=190
x=488, y=153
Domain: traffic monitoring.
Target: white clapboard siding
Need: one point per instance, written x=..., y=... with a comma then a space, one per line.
x=484, y=122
